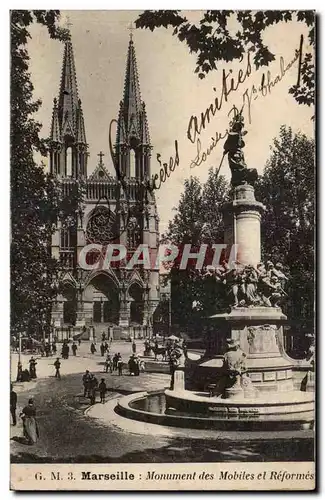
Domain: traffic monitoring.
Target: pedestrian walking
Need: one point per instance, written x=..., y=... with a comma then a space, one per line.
x=79, y=342
x=102, y=390
x=85, y=383
x=54, y=348
x=92, y=348
x=103, y=336
x=74, y=348
x=30, y=426
x=107, y=363
x=93, y=384
x=115, y=358
x=57, y=366
x=32, y=367
x=120, y=365
x=106, y=347
x=13, y=404
x=134, y=347
x=102, y=349
x=65, y=350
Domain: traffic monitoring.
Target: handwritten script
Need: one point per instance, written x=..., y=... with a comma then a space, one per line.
x=267, y=83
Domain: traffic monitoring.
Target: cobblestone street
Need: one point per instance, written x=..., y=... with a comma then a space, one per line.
x=67, y=434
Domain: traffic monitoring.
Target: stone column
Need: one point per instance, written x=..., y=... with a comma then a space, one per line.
x=242, y=219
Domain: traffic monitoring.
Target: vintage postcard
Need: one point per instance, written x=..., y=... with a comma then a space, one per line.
x=163, y=250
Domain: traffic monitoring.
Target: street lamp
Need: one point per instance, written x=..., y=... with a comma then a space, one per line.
x=19, y=366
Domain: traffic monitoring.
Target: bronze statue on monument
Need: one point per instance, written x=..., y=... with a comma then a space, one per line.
x=234, y=144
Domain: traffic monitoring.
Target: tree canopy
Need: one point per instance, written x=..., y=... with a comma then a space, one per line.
x=214, y=39
x=33, y=192
x=287, y=189
x=197, y=220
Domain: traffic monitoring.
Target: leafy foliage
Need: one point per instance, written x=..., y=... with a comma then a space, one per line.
x=198, y=220
x=33, y=205
x=214, y=40
x=287, y=189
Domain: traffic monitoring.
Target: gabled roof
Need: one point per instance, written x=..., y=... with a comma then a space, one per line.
x=96, y=176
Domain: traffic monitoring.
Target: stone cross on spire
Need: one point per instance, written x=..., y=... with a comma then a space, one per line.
x=131, y=28
x=68, y=23
x=101, y=154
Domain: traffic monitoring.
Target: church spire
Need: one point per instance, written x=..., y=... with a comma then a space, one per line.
x=68, y=136
x=132, y=136
x=131, y=108
x=68, y=96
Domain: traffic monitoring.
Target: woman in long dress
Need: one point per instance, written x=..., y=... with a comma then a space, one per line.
x=30, y=426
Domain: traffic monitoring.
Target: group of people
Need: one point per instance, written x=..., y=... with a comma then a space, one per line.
x=135, y=365
x=91, y=386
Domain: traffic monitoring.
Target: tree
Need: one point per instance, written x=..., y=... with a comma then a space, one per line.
x=198, y=220
x=33, y=200
x=287, y=189
x=213, y=39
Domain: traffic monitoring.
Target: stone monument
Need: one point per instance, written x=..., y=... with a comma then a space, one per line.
x=255, y=374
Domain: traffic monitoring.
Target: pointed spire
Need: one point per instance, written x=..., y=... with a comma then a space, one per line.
x=81, y=133
x=130, y=111
x=55, y=126
x=68, y=97
x=145, y=138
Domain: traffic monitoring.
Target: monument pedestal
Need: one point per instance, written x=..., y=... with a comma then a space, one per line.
x=259, y=333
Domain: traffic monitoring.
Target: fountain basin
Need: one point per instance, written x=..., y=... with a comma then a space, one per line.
x=198, y=411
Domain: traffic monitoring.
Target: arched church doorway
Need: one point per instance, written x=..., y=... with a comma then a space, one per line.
x=69, y=295
x=135, y=293
x=105, y=302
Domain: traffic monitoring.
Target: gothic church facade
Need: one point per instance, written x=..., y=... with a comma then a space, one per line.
x=118, y=301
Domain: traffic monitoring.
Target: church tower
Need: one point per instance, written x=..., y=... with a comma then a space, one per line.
x=132, y=139
x=68, y=144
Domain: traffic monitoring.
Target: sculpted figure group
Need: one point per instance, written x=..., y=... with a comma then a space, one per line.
x=248, y=286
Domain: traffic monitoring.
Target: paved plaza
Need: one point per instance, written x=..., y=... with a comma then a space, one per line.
x=73, y=431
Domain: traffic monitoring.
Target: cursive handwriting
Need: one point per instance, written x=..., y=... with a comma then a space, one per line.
x=149, y=185
x=196, y=125
x=268, y=82
x=166, y=168
x=202, y=156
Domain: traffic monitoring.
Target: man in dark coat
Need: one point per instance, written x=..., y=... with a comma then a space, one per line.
x=74, y=348
x=120, y=364
x=13, y=405
x=115, y=358
x=32, y=367
x=102, y=390
x=85, y=383
x=57, y=366
x=93, y=384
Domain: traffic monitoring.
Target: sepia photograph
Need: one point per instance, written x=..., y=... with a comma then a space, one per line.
x=162, y=252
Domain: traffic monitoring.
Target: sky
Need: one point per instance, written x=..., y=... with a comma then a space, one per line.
x=171, y=90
